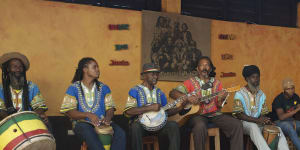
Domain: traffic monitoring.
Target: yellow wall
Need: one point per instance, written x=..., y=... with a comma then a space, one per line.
x=55, y=36
x=275, y=50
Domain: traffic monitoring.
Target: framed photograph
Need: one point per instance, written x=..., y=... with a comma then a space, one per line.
x=174, y=42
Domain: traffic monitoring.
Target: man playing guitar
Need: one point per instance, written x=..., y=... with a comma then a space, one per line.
x=147, y=97
x=209, y=110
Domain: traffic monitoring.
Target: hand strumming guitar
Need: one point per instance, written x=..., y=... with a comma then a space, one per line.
x=222, y=98
x=193, y=99
x=223, y=95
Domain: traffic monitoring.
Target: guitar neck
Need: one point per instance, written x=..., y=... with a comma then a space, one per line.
x=209, y=97
x=180, y=99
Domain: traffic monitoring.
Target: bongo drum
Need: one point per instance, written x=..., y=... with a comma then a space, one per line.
x=25, y=131
x=105, y=134
x=271, y=134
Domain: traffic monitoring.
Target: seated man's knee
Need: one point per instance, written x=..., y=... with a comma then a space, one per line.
x=79, y=126
x=254, y=129
x=237, y=124
x=200, y=126
x=120, y=133
x=286, y=125
x=253, y=126
x=135, y=126
x=173, y=124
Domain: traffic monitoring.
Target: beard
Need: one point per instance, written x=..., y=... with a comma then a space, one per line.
x=205, y=73
x=16, y=81
x=253, y=88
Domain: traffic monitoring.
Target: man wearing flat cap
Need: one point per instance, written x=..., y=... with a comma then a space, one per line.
x=16, y=92
x=147, y=97
x=284, y=107
x=250, y=107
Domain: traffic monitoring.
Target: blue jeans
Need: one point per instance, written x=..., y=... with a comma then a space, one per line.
x=86, y=132
x=287, y=126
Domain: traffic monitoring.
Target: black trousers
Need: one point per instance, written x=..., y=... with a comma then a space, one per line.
x=171, y=130
x=232, y=128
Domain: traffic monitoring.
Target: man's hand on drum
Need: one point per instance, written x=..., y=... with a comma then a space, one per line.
x=3, y=114
x=94, y=118
x=44, y=117
x=154, y=107
x=42, y=114
x=264, y=120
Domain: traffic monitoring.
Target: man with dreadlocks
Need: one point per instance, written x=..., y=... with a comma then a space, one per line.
x=210, y=111
x=250, y=107
x=90, y=100
x=16, y=93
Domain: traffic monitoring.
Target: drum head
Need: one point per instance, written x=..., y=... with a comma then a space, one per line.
x=271, y=129
x=16, y=114
x=104, y=130
x=157, y=118
x=39, y=143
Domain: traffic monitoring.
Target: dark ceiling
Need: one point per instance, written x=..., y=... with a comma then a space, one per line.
x=265, y=12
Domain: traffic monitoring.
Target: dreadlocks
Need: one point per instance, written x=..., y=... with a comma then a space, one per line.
x=213, y=68
x=78, y=76
x=6, y=89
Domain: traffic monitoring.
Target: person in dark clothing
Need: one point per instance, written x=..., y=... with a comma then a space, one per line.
x=285, y=106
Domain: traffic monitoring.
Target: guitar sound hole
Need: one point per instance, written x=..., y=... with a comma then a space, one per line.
x=184, y=111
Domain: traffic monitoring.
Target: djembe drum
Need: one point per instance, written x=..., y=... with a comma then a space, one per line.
x=105, y=134
x=25, y=131
x=271, y=134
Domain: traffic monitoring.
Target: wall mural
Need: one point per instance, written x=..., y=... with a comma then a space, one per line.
x=174, y=42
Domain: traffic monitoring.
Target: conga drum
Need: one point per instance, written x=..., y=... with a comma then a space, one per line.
x=105, y=134
x=271, y=134
x=25, y=131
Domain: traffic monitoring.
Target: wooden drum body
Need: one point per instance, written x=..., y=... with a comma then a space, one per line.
x=271, y=134
x=105, y=134
x=25, y=131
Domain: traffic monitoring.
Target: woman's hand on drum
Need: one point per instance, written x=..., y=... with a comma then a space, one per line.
x=94, y=118
x=106, y=121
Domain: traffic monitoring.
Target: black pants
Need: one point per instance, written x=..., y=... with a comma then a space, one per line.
x=171, y=130
x=232, y=128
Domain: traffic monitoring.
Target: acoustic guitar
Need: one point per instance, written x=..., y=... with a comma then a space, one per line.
x=181, y=119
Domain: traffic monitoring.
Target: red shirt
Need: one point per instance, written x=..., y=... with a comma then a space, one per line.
x=195, y=83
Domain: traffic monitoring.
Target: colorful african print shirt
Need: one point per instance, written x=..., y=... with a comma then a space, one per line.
x=141, y=95
x=249, y=104
x=96, y=101
x=35, y=98
x=209, y=108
